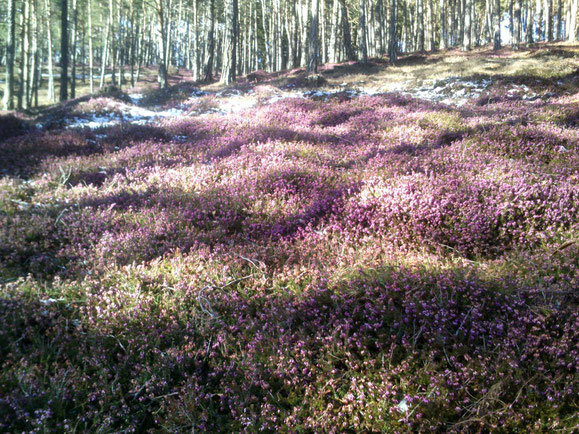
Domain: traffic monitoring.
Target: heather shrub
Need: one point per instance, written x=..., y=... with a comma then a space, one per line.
x=312, y=264
x=12, y=127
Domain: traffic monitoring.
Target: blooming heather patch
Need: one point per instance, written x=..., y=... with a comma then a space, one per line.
x=369, y=263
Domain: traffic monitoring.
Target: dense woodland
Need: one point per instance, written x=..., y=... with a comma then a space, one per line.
x=63, y=41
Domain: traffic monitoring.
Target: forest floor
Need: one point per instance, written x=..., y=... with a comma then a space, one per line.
x=377, y=248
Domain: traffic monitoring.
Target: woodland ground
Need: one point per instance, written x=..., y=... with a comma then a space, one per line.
x=383, y=248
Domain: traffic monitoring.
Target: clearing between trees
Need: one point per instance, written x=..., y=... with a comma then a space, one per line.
x=380, y=248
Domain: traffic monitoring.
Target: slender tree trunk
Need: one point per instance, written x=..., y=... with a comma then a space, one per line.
x=51, y=93
x=516, y=40
x=443, y=27
x=559, y=29
x=63, y=50
x=73, y=57
x=24, y=90
x=196, y=63
x=313, y=47
x=121, y=47
x=496, y=25
x=392, y=41
x=539, y=16
x=362, y=32
x=466, y=42
x=90, y=50
x=34, y=52
x=105, y=53
x=573, y=6
x=162, y=47
x=208, y=73
x=350, y=53
x=548, y=8
x=530, y=22
x=10, y=52
x=324, y=53
x=230, y=43
x=134, y=36
x=334, y=33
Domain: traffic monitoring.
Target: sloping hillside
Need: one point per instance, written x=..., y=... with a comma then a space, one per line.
x=380, y=248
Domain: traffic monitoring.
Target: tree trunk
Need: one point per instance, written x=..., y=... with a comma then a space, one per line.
x=392, y=41
x=10, y=51
x=530, y=22
x=350, y=53
x=63, y=50
x=496, y=25
x=230, y=43
x=162, y=45
x=466, y=42
x=90, y=49
x=516, y=40
x=559, y=29
x=313, y=46
x=24, y=90
x=548, y=6
x=362, y=32
x=443, y=29
x=73, y=57
x=33, y=75
x=208, y=73
x=572, y=32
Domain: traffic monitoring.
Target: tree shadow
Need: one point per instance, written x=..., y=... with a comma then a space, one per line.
x=215, y=357
x=24, y=155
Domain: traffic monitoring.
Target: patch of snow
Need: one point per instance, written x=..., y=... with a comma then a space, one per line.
x=236, y=104
x=129, y=114
x=136, y=97
x=51, y=300
x=403, y=406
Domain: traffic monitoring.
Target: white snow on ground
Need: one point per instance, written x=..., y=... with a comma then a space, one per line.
x=236, y=104
x=453, y=90
x=136, y=97
x=129, y=114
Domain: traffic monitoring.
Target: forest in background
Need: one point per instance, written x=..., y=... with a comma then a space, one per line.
x=57, y=43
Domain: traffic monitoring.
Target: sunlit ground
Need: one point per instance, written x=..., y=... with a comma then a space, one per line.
x=398, y=253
